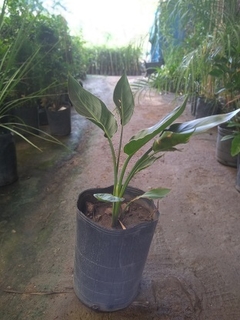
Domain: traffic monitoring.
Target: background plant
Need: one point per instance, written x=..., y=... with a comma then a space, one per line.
x=192, y=34
x=112, y=61
x=33, y=62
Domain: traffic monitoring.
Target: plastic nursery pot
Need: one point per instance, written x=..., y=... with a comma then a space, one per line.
x=109, y=262
x=29, y=116
x=206, y=107
x=223, y=152
x=59, y=121
x=193, y=101
x=8, y=159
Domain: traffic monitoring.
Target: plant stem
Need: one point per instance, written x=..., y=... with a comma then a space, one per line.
x=116, y=205
x=119, y=149
x=115, y=169
x=120, y=188
x=133, y=171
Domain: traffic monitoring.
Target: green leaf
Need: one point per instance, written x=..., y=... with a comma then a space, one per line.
x=146, y=162
x=202, y=124
x=227, y=137
x=155, y=193
x=107, y=197
x=216, y=73
x=144, y=136
x=169, y=139
x=123, y=99
x=91, y=107
x=235, y=146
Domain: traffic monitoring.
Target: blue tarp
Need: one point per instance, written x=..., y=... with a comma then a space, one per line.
x=156, y=39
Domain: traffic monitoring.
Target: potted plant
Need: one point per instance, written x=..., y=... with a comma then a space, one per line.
x=59, y=116
x=232, y=138
x=111, y=250
x=226, y=69
x=12, y=74
x=235, y=148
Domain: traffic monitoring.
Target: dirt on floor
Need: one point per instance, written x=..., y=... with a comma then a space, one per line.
x=192, y=271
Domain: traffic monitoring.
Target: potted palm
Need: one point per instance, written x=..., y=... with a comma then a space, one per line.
x=115, y=224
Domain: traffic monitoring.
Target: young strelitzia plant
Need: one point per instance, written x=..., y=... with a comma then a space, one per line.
x=162, y=137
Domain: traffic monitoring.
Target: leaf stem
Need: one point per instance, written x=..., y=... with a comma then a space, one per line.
x=133, y=170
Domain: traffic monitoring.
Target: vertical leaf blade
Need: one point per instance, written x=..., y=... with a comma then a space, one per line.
x=123, y=99
x=91, y=107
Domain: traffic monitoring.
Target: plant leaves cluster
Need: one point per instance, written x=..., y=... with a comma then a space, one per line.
x=164, y=136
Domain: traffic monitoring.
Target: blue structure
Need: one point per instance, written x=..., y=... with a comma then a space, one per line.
x=156, y=39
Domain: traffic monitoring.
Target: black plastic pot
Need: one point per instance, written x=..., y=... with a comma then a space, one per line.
x=29, y=116
x=223, y=151
x=206, y=107
x=59, y=121
x=42, y=114
x=8, y=159
x=109, y=263
x=238, y=174
x=193, y=101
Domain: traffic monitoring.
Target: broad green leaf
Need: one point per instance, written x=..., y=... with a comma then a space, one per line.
x=147, y=162
x=235, y=146
x=202, y=124
x=123, y=99
x=155, y=193
x=216, y=73
x=107, y=197
x=91, y=107
x=144, y=136
x=170, y=139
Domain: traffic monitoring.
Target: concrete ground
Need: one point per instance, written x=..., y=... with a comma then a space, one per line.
x=192, y=271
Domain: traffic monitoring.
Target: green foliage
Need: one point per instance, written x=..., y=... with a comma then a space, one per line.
x=35, y=57
x=112, y=61
x=164, y=136
x=200, y=45
x=58, y=52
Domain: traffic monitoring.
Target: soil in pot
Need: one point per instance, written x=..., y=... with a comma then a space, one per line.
x=132, y=215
